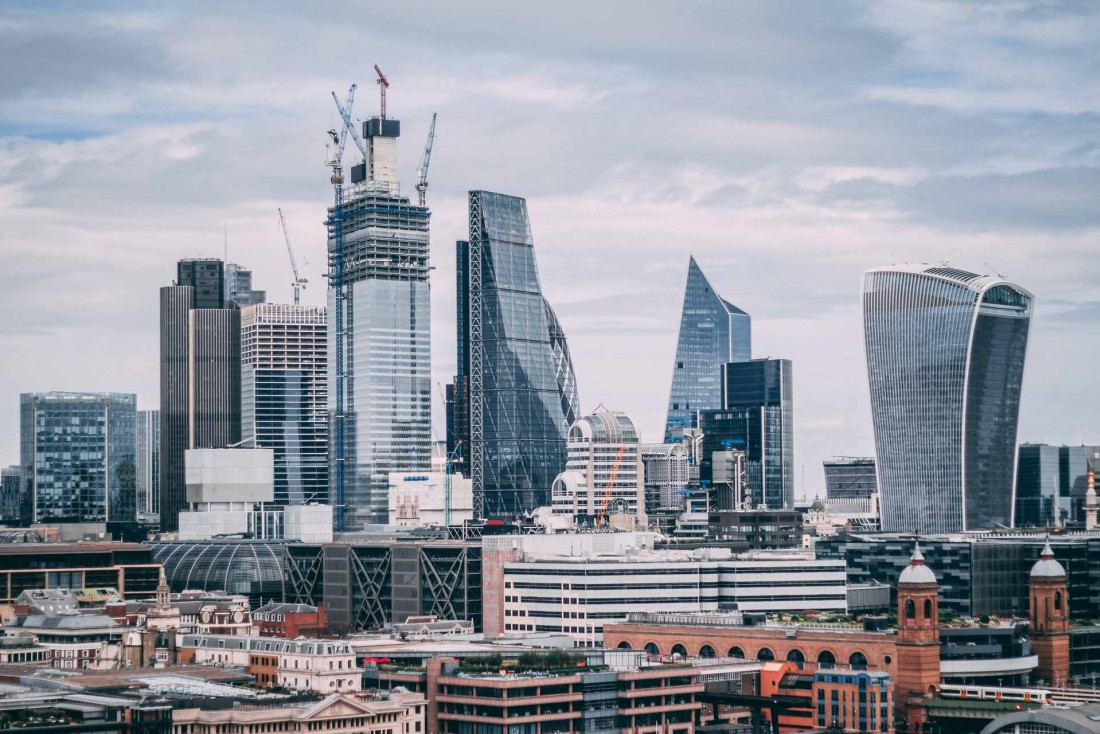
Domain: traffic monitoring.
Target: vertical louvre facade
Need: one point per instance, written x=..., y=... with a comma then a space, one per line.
x=712, y=333
x=147, y=441
x=945, y=358
x=387, y=346
x=515, y=389
x=284, y=388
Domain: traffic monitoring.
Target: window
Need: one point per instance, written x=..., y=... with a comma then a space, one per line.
x=928, y=609
x=1058, y=600
x=910, y=609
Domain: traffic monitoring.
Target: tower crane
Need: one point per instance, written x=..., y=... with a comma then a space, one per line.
x=610, y=486
x=336, y=282
x=422, y=172
x=383, y=85
x=349, y=124
x=299, y=281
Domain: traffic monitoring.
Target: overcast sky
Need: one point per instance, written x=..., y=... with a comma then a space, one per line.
x=788, y=146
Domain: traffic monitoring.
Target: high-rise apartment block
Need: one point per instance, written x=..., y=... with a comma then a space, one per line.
x=757, y=418
x=945, y=360
x=147, y=444
x=200, y=375
x=284, y=398
x=850, y=478
x=712, y=332
x=77, y=456
x=385, y=338
x=238, y=287
x=515, y=395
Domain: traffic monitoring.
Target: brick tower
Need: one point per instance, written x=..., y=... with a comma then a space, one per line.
x=918, y=646
x=1050, y=618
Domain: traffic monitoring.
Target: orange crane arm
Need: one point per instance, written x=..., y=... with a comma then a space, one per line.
x=610, y=485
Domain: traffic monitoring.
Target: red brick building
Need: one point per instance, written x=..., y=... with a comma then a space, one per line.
x=290, y=621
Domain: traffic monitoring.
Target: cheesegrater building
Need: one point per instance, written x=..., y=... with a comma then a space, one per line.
x=386, y=334
x=945, y=361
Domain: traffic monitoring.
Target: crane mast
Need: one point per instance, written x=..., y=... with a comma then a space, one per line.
x=299, y=282
x=422, y=172
x=383, y=85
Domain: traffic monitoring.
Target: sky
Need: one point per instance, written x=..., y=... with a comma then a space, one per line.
x=788, y=146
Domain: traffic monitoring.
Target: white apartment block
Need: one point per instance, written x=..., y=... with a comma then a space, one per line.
x=322, y=666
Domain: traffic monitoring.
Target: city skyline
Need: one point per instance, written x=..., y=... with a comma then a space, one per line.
x=783, y=209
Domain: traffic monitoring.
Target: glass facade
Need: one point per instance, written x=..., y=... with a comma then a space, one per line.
x=387, y=347
x=78, y=456
x=848, y=478
x=1073, y=467
x=712, y=333
x=250, y=567
x=945, y=357
x=1038, y=477
x=238, y=287
x=515, y=391
x=12, y=510
x=147, y=442
x=284, y=404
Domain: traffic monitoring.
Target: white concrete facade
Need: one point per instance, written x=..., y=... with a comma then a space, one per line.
x=417, y=498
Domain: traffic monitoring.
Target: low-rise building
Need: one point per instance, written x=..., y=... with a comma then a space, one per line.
x=424, y=498
x=76, y=641
x=336, y=714
x=323, y=666
x=289, y=621
x=836, y=698
x=127, y=567
x=23, y=650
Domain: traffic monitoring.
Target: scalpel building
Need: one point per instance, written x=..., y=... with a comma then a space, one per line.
x=945, y=360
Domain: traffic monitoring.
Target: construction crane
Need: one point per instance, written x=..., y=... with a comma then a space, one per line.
x=449, y=470
x=422, y=172
x=336, y=282
x=299, y=281
x=383, y=85
x=349, y=124
x=610, y=486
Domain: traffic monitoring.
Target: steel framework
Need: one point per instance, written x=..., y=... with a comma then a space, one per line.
x=475, y=394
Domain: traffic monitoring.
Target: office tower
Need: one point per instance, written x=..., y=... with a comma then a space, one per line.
x=515, y=388
x=756, y=417
x=1073, y=466
x=1038, y=477
x=284, y=398
x=386, y=339
x=603, y=484
x=667, y=475
x=147, y=441
x=11, y=495
x=850, y=478
x=200, y=375
x=238, y=287
x=945, y=359
x=77, y=454
x=712, y=332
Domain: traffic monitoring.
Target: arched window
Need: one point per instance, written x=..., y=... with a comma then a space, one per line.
x=910, y=609
x=826, y=659
x=624, y=645
x=765, y=654
x=796, y=656
x=857, y=660
x=680, y=650
x=928, y=609
x=1058, y=600
x=706, y=651
x=652, y=649
x=735, y=652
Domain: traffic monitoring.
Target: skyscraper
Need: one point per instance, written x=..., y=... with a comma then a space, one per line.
x=712, y=332
x=200, y=375
x=386, y=335
x=13, y=508
x=77, y=453
x=147, y=442
x=757, y=417
x=238, y=287
x=515, y=391
x=945, y=360
x=284, y=398
x=850, y=478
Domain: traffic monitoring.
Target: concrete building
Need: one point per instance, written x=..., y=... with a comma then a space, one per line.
x=200, y=375
x=76, y=641
x=284, y=396
x=127, y=567
x=844, y=699
x=667, y=471
x=320, y=666
x=238, y=287
x=224, y=488
x=604, y=480
x=338, y=713
x=422, y=499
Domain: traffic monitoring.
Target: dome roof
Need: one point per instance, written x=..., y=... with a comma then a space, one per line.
x=1046, y=566
x=818, y=504
x=916, y=572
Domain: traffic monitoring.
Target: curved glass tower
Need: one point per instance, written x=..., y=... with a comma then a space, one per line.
x=945, y=360
x=713, y=332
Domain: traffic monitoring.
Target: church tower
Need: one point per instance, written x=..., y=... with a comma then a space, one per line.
x=918, y=645
x=1090, y=503
x=1050, y=618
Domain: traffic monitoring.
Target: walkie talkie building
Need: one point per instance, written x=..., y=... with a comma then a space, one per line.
x=945, y=361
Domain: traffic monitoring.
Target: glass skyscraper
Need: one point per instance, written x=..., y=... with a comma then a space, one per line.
x=284, y=387
x=515, y=393
x=78, y=456
x=1038, y=479
x=147, y=440
x=850, y=478
x=712, y=332
x=945, y=360
x=387, y=335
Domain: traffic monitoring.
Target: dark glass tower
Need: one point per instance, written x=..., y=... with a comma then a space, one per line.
x=850, y=478
x=515, y=392
x=78, y=456
x=712, y=332
x=1038, y=478
x=945, y=360
x=200, y=375
x=757, y=417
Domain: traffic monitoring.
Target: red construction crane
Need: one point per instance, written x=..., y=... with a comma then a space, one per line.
x=383, y=85
x=610, y=486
